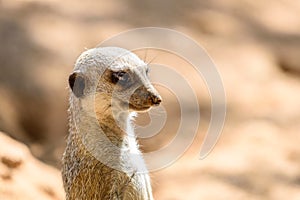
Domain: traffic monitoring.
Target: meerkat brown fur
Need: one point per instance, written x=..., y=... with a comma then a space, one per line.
x=102, y=159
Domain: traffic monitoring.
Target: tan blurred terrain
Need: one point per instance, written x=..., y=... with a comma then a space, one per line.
x=256, y=46
x=24, y=177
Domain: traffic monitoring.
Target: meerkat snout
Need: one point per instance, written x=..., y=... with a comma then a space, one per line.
x=143, y=98
x=132, y=88
x=156, y=100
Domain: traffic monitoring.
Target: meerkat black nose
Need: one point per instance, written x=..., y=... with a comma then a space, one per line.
x=155, y=99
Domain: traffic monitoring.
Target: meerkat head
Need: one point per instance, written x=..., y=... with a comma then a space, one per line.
x=116, y=77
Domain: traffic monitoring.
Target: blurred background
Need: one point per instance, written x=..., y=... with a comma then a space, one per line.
x=255, y=44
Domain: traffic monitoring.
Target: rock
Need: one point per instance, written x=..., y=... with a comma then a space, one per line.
x=24, y=177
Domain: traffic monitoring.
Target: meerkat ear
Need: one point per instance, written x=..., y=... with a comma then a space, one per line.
x=77, y=83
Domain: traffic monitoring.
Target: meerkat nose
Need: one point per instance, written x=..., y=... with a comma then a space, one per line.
x=156, y=100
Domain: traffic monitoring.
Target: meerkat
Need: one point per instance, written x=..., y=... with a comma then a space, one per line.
x=102, y=159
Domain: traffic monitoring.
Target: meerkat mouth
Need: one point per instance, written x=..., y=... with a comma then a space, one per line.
x=139, y=108
x=131, y=106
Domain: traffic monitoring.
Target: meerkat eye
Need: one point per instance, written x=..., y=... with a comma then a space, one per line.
x=120, y=77
x=115, y=76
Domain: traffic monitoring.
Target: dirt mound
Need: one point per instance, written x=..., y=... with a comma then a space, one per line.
x=24, y=177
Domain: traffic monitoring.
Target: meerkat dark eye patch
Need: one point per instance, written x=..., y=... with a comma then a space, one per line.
x=121, y=77
x=77, y=84
x=116, y=76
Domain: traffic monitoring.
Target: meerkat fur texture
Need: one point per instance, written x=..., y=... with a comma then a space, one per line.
x=102, y=159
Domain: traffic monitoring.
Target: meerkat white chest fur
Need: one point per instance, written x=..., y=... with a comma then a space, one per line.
x=102, y=159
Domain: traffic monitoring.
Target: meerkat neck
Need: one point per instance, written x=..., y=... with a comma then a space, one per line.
x=108, y=136
x=114, y=124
